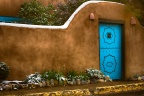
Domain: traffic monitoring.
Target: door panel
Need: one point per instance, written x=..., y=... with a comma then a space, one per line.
x=110, y=50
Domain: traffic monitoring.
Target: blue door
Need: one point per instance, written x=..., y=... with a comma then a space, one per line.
x=110, y=50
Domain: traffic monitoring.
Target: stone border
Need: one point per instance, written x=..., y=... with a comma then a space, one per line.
x=119, y=88
x=97, y=91
x=77, y=92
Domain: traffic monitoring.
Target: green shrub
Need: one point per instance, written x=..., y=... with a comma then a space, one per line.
x=82, y=76
x=64, y=11
x=71, y=75
x=56, y=76
x=60, y=77
x=48, y=75
x=35, y=13
x=34, y=78
x=4, y=71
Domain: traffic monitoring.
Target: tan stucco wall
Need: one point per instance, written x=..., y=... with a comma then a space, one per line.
x=28, y=50
x=12, y=7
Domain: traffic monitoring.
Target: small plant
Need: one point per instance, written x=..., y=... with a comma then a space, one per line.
x=136, y=76
x=59, y=76
x=48, y=75
x=4, y=71
x=34, y=79
x=94, y=73
x=84, y=76
x=54, y=76
x=71, y=75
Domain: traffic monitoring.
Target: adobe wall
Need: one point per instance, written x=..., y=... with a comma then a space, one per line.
x=12, y=7
x=28, y=50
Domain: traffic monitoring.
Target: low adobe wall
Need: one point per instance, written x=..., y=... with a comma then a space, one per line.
x=73, y=46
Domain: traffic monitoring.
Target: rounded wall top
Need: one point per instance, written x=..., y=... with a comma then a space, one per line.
x=67, y=22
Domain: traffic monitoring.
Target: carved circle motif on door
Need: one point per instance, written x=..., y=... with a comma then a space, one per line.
x=109, y=35
x=109, y=64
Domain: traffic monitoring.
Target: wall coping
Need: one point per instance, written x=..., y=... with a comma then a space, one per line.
x=67, y=23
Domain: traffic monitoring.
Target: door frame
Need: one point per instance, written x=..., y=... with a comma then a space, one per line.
x=122, y=23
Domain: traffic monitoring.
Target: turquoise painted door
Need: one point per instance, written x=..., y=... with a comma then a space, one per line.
x=110, y=50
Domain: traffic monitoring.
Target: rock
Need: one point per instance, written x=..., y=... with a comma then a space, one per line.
x=93, y=80
x=56, y=82
x=15, y=86
x=29, y=86
x=100, y=80
x=6, y=87
x=24, y=86
x=110, y=80
x=48, y=83
x=6, y=82
x=20, y=86
x=107, y=78
x=40, y=84
x=44, y=84
x=88, y=81
x=78, y=81
x=134, y=79
x=60, y=83
x=37, y=85
x=74, y=82
x=65, y=83
x=139, y=78
x=84, y=82
x=142, y=77
x=52, y=82
x=10, y=86
x=1, y=88
x=33, y=85
x=69, y=82
x=17, y=82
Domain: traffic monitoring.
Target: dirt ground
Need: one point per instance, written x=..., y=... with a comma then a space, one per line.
x=91, y=87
